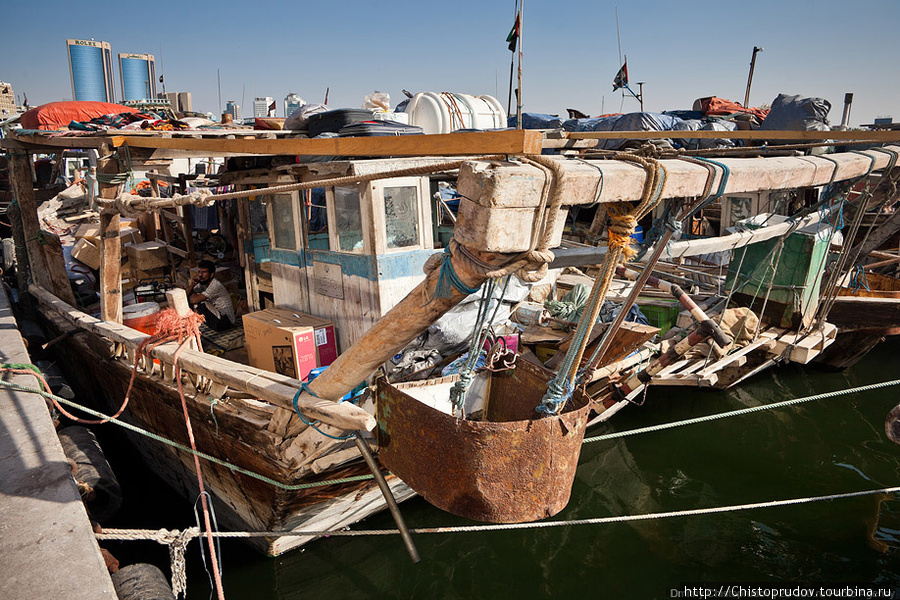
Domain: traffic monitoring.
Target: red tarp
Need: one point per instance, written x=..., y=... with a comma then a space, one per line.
x=58, y=115
x=713, y=105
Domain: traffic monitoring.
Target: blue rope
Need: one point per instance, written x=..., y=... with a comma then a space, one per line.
x=859, y=280
x=558, y=393
x=448, y=280
x=304, y=387
x=726, y=172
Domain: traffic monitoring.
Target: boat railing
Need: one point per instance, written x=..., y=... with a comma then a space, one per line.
x=211, y=374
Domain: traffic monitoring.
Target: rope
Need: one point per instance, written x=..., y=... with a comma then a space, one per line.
x=479, y=335
x=304, y=387
x=183, y=448
x=449, y=280
x=742, y=411
x=129, y=203
x=623, y=220
x=524, y=526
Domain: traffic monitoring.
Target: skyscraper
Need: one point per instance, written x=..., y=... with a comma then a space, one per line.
x=264, y=107
x=291, y=103
x=138, y=75
x=91, y=70
x=234, y=109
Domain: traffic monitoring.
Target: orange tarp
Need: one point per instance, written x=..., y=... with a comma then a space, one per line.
x=58, y=115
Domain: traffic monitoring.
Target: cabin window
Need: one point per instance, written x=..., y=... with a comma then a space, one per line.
x=401, y=216
x=317, y=219
x=348, y=219
x=282, y=225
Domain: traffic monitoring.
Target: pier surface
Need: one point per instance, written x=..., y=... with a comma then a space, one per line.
x=47, y=548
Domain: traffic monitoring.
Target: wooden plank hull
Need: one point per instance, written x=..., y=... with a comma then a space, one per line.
x=242, y=503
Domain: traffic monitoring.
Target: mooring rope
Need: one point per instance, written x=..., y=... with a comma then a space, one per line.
x=135, y=534
x=742, y=411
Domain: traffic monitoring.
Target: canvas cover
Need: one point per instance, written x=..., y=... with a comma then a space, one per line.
x=797, y=113
x=58, y=115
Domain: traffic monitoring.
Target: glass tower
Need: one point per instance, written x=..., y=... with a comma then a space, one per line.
x=138, y=75
x=91, y=70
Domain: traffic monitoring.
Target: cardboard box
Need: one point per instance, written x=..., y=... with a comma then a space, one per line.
x=288, y=342
x=147, y=255
x=91, y=231
x=84, y=251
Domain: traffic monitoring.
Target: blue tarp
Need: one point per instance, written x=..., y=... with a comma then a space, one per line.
x=537, y=121
x=638, y=121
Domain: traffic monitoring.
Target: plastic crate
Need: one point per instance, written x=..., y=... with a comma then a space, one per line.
x=661, y=313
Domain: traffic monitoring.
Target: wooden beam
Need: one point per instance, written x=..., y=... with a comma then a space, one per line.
x=48, y=267
x=875, y=136
x=110, y=268
x=449, y=144
x=110, y=242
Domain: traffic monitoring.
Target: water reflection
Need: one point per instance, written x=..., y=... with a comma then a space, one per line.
x=821, y=447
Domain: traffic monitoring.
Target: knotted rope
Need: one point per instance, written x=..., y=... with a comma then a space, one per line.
x=623, y=220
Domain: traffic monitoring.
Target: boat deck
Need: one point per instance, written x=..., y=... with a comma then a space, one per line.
x=44, y=523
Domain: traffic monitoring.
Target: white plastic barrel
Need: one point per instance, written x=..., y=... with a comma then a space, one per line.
x=448, y=111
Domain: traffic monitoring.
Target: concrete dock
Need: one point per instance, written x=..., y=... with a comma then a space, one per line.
x=47, y=548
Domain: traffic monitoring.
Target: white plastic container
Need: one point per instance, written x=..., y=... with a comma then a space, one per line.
x=398, y=117
x=445, y=112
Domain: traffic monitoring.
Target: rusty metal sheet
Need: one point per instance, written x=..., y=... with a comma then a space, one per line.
x=513, y=467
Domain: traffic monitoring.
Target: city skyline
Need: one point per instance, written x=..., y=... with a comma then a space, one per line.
x=571, y=55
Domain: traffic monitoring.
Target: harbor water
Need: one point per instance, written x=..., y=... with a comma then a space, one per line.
x=822, y=447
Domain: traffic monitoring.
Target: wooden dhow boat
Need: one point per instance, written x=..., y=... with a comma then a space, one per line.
x=272, y=437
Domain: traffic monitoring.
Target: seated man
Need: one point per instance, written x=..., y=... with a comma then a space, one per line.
x=209, y=297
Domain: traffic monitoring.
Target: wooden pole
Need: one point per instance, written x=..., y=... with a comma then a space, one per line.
x=45, y=256
x=110, y=268
x=110, y=242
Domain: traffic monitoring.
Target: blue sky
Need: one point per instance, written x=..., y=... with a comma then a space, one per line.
x=682, y=50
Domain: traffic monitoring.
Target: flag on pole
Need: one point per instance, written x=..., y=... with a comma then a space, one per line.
x=621, y=80
x=513, y=37
x=271, y=109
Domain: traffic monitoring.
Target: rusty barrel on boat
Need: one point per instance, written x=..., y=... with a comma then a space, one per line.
x=513, y=466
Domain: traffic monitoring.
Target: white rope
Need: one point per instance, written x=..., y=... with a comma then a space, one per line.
x=131, y=533
x=742, y=411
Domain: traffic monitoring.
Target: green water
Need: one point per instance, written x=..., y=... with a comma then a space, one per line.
x=818, y=448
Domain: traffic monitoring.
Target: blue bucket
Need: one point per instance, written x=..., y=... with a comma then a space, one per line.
x=638, y=235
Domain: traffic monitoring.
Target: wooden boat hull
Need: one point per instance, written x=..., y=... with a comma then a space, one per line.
x=863, y=322
x=241, y=502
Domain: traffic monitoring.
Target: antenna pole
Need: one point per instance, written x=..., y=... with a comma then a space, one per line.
x=521, y=55
x=750, y=77
x=219, y=80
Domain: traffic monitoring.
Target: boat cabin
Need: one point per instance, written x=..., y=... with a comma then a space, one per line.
x=344, y=253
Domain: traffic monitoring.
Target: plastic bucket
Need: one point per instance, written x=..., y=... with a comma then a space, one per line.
x=141, y=316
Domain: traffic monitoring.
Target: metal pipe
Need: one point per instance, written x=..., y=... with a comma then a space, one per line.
x=848, y=100
x=388, y=497
x=750, y=78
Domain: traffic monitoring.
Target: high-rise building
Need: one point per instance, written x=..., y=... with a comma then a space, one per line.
x=7, y=101
x=91, y=70
x=234, y=109
x=138, y=75
x=291, y=103
x=180, y=101
x=184, y=102
x=264, y=107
